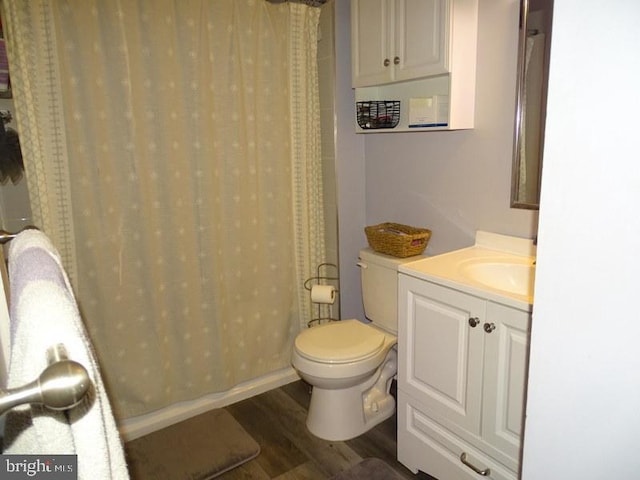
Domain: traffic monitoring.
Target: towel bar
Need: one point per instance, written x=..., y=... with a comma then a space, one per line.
x=62, y=385
x=7, y=236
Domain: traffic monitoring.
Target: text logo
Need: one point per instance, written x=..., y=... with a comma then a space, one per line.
x=38, y=467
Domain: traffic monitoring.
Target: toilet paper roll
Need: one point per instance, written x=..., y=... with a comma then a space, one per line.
x=323, y=294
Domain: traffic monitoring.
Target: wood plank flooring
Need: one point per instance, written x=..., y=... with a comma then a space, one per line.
x=276, y=420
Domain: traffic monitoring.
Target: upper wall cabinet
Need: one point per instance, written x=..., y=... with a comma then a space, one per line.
x=421, y=53
x=396, y=40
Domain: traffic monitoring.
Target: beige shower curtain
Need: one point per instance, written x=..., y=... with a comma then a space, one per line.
x=172, y=154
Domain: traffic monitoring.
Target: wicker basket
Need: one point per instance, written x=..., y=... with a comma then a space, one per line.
x=397, y=240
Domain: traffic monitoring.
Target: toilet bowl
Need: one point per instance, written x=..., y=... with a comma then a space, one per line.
x=350, y=365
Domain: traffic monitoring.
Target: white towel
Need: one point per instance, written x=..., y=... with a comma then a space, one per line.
x=43, y=314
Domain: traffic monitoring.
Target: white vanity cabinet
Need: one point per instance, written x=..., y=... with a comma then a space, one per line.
x=396, y=40
x=461, y=381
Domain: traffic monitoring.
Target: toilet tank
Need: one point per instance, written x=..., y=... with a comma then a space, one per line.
x=379, y=277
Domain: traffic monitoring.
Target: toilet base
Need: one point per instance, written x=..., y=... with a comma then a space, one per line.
x=342, y=414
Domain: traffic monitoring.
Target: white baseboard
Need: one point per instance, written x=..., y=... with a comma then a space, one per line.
x=144, y=424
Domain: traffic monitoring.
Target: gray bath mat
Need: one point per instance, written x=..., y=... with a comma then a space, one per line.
x=369, y=469
x=199, y=448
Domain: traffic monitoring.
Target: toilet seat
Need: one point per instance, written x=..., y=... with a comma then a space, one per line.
x=340, y=342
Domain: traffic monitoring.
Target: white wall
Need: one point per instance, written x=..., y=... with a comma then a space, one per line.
x=583, y=419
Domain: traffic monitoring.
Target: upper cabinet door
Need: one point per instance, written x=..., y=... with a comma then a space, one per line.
x=421, y=38
x=396, y=40
x=371, y=39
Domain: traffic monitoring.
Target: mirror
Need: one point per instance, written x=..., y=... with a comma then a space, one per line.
x=531, y=100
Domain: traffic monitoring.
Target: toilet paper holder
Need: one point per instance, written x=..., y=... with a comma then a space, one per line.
x=324, y=311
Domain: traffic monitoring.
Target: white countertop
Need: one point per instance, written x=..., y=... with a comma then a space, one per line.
x=448, y=269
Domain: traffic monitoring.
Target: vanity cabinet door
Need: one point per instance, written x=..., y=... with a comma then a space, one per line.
x=506, y=354
x=440, y=346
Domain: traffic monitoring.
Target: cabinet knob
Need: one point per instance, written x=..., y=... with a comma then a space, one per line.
x=474, y=322
x=396, y=60
x=489, y=327
x=386, y=62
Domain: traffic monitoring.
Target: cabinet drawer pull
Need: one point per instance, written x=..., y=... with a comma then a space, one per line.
x=484, y=473
x=489, y=327
x=386, y=62
x=396, y=60
x=474, y=322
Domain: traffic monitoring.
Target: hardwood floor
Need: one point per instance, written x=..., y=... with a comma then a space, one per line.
x=276, y=420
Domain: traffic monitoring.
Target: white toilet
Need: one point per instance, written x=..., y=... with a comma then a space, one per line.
x=351, y=364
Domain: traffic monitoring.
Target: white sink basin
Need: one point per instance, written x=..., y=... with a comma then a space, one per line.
x=516, y=278
x=497, y=267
